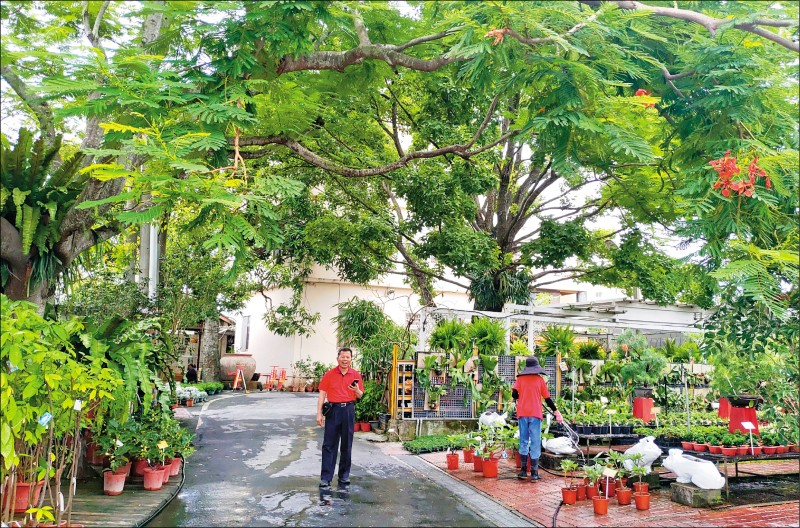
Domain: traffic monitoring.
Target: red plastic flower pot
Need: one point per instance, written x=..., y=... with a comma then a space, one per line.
x=468, y=454
x=569, y=495
x=642, y=501
x=621, y=481
x=782, y=449
x=742, y=450
x=365, y=427
x=755, y=450
x=624, y=496
x=686, y=446
x=794, y=448
x=153, y=478
x=165, y=472
x=452, y=461
x=21, y=498
x=139, y=466
x=113, y=482
x=641, y=487
x=581, y=492
x=700, y=448
x=592, y=491
x=715, y=449
x=490, y=467
x=729, y=451
x=611, y=488
x=175, y=468
x=600, y=505
x=518, y=458
x=477, y=464
x=770, y=450
x=356, y=427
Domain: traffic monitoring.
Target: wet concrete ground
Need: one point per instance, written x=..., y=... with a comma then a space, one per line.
x=258, y=462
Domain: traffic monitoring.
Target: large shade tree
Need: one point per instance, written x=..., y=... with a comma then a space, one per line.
x=507, y=142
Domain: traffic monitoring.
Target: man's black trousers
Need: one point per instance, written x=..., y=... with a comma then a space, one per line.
x=339, y=426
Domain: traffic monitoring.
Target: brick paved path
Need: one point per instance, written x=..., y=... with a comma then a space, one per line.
x=539, y=501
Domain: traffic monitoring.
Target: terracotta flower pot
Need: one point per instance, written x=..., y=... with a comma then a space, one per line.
x=490, y=467
x=742, y=450
x=600, y=505
x=517, y=459
x=700, y=448
x=190, y=402
x=715, y=449
x=642, y=501
x=356, y=427
x=729, y=451
x=755, y=450
x=686, y=446
x=468, y=454
x=794, y=448
x=641, y=487
x=770, y=450
x=569, y=495
x=365, y=427
x=113, y=482
x=592, y=491
x=175, y=468
x=624, y=496
x=153, y=478
x=782, y=449
x=581, y=492
x=477, y=464
x=620, y=482
x=452, y=461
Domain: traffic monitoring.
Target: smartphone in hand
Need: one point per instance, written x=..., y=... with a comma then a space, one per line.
x=354, y=384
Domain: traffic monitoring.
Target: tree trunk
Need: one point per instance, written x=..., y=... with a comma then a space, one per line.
x=209, y=349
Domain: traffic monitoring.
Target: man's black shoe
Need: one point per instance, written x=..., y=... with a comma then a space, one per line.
x=344, y=482
x=324, y=484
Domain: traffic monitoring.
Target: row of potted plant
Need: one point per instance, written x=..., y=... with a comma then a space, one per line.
x=151, y=447
x=605, y=479
x=209, y=387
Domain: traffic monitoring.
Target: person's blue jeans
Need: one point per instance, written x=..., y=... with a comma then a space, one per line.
x=530, y=437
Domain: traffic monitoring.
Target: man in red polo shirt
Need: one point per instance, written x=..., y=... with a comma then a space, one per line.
x=342, y=386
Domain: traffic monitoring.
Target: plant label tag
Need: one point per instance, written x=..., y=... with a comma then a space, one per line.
x=45, y=419
x=77, y=406
x=563, y=366
x=655, y=410
x=118, y=443
x=608, y=472
x=748, y=425
x=611, y=411
x=603, y=400
x=504, y=455
x=162, y=445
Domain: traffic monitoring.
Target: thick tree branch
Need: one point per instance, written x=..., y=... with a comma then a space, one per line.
x=713, y=24
x=11, y=246
x=39, y=108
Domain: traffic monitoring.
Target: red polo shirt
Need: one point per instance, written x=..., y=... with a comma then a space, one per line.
x=335, y=384
x=532, y=389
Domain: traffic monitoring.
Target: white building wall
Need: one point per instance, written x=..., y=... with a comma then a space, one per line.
x=324, y=290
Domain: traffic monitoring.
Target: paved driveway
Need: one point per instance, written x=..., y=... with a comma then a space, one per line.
x=258, y=463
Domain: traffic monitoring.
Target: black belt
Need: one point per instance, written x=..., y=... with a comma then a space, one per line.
x=342, y=404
